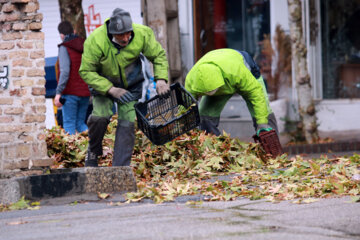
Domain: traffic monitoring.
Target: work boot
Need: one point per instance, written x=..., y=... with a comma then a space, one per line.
x=210, y=124
x=91, y=159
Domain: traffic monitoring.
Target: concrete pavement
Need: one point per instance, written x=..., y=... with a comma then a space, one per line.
x=335, y=218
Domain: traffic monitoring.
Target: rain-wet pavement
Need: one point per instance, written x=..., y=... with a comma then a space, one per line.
x=336, y=218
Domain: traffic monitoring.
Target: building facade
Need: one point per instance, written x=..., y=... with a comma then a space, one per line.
x=332, y=40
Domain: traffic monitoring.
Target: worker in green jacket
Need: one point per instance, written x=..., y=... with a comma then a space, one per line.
x=220, y=74
x=111, y=66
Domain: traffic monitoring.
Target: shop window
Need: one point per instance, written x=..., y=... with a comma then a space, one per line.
x=340, y=48
x=233, y=24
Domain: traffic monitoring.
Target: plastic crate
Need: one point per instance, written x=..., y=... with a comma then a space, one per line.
x=162, y=120
x=270, y=142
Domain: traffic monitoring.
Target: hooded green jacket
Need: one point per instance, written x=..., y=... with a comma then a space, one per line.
x=225, y=69
x=102, y=64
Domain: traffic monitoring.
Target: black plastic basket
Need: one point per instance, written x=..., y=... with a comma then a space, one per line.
x=162, y=120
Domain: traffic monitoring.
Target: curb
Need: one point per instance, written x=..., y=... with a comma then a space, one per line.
x=67, y=182
x=344, y=146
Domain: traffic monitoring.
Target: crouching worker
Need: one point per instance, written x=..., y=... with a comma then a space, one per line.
x=111, y=66
x=217, y=76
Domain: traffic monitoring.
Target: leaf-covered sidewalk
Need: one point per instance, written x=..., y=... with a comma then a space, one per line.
x=185, y=165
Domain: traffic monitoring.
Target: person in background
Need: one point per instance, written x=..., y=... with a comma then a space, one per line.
x=220, y=74
x=111, y=66
x=72, y=93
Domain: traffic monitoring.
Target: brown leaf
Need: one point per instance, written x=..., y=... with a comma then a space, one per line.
x=17, y=222
x=103, y=195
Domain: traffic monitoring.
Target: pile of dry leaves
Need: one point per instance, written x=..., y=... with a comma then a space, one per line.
x=188, y=165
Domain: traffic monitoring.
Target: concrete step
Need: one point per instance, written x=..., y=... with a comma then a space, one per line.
x=67, y=182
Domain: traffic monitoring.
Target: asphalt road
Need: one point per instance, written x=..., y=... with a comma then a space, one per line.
x=335, y=218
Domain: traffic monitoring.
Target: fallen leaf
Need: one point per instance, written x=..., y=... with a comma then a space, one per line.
x=194, y=202
x=103, y=195
x=355, y=199
x=34, y=208
x=310, y=200
x=17, y=222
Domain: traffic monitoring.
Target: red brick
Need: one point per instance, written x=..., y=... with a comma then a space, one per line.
x=39, y=99
x=22, y=164
x=41, y=82
x=38, y=91
x=38, y=109
x=20, y=26
x=20, y=1
x=34, y=118
x=8, y=8
x=6, y=101
x=10, y=17
x=6, y=119
x=5, y=138
x=18, y=54
x=22, y=62
x=15, y=92
x=16, y=128
x=43, y=162
x=36, y=72
x=17, y=73
x=23, y=44
x=31, y=7
x=34, y=36
x=14, y=111
x=40, y=63
x=37, y=17
x=35, y=26
x=3, y=58
x=26, y=101
x=37, y=54
x=6, y=45
x=6, y=27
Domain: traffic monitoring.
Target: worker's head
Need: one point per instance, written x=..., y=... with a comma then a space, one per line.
x=208, y=78
x=120, y=26
x=65, y=28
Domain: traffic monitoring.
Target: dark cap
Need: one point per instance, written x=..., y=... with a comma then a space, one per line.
x=120, y=22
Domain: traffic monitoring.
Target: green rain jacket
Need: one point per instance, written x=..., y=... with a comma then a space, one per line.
x=225, y=69
x=103, y=65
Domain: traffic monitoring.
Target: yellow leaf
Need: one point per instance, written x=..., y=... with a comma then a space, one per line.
x=310, y=200
x=355, y=199
x=35, y=204
x=34, y=208
x=194, y=202
x=103, y=195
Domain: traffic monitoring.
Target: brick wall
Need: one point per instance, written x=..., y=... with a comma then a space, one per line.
x=22, y=86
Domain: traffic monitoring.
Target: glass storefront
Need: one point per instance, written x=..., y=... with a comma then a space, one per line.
x=340, y=28
x=230, y=24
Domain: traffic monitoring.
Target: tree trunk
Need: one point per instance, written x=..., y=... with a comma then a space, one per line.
x=71, y=10
x=302, y=77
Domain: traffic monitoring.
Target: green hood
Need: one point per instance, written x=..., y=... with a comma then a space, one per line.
x=225, y=69
x=208, y=77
